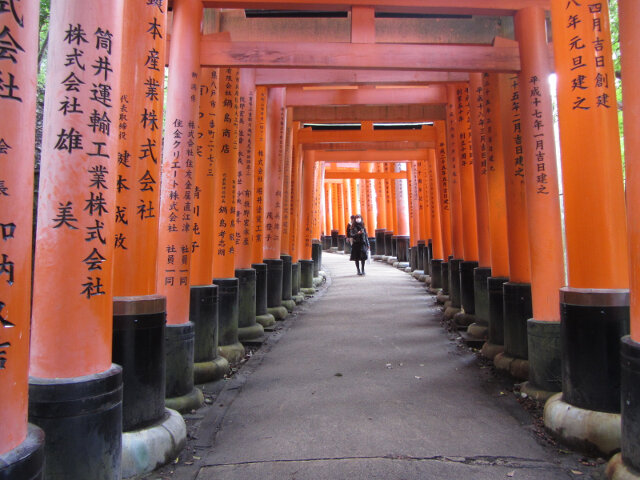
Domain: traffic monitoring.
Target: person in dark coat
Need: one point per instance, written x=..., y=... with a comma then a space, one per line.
x=360, y=245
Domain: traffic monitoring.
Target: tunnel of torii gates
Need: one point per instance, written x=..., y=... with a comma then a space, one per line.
x=157, y=255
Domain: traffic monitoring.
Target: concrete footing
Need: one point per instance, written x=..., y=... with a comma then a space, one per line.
x=586, y=430
x=210, y=371
x=252, y=334
x=417, y=274
x=298, y=299
x=267, y=320
x=149, y=448
x=233, y=352
x=516, y=367
x=491, y=350
x=535, y=392
x=26, y=461
x=186, y=403
x=279, y=313
x=289, y=304
x=441, y=298
x=618, y=470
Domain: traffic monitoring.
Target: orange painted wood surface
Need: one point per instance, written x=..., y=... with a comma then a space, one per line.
x=203, y=239
x=434, y=207
x=495, y=108
x=246, y=170
x=296, y=191
x=513, y=149
x=542, y=199
x=629, y=14
x=454, y=174
x=225, y=189
x=434, y=94
x=139, y=153
x=259, y=161
x=480, y=144
x=402, y=201
x=381, y=202
x=274, y=172
x=286, y=186
x=308, y=166
x=595, y=215
x=467, y=176
x=442, y=57
x=73, y=283
x=17, y=124
x=444, y=195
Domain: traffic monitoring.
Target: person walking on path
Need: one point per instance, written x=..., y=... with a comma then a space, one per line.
x=360, y=245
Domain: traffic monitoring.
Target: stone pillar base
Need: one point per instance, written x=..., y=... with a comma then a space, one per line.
x=491, y=350
x=516, y=367
x=211, y=371
x=535, y=392
x=186, y=403
x=279, y=313
x=252, y=334
x=289, y=304
x=233, y=352
x=618, y=470
x=267, y=321
x=26, y=461
x=146, y=449
x=586, y=430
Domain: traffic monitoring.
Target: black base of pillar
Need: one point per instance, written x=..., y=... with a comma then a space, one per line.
x=203, y=313
x=334, y=238
x=316, y=255
x=82, y=421
x=248, y=329
x=429, y=248
x=454, y=282
x=545, y=372
x=138, y=347
x=413, y=258
x=444, y=273
x=402, y=248
x=326, y=242
x=179, y=348
x=517, y=310
x=630, y=400
x=436, y=273
x=379, y=234
x=592, y=324
x=496, y=309
x=274, y=282
x=261, y=288
x=229, y=345
x=426, y=259
x=306, y=273
x=372, y=246
x=26, y=461
x=388, y=243
x=467, y=287
x=286, y=277
x=341, y=243
x=295, y=279
x=481, y=295
x=420, y=255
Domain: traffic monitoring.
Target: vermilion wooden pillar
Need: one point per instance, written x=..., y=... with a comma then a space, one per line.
x=138, y=312
x=494, y=110
x=467, y=191
x=21, y=445
x=285, y=252
x=444, y=204
x=381, y=212
x=542, y=200
x=629, y=15
x=402, y=209
x=480, y=147
x=263, y=317
x=176, y=194
x=412, y=191
x=369, y=202
x=434, y=217
x=455, y=198
x=225, y=217
x=328, y=209
x=73, y=283
x=306, y=258
x=275, y=133
x=517, y=292
x=594, y=307
x=425, y=216
x=248, y=329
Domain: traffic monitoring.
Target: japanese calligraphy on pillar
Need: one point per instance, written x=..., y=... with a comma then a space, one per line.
x=464, y=127
x=226, y=174
x=535, y=97
x=203, y=193
x=244, y=201
x=139, y=134
x=259, y=172
x=18, y=53
x=516, y=132
x=480, y=97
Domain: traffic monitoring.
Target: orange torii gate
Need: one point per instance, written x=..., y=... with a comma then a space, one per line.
x=510, y=211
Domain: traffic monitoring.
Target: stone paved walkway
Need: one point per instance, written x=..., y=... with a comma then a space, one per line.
x=364, y=383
